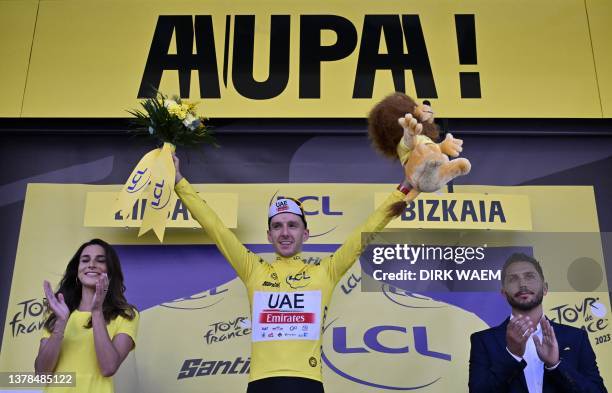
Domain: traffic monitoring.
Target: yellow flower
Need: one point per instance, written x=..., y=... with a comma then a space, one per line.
x=177, y=110
x=173, y=108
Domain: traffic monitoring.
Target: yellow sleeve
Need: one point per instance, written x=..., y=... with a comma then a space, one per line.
x=340, y=261
x=241, y=259
x=128, y=326
x=45, y=333
x=403, y=151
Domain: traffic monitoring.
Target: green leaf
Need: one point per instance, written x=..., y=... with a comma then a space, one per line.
x=168, y=127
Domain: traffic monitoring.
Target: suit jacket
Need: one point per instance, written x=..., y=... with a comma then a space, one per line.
x=494, y=370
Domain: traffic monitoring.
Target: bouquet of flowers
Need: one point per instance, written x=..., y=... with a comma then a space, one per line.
x=171, y=120
x=172, y=123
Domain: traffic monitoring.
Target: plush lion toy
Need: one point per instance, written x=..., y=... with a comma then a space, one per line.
x=401, y=129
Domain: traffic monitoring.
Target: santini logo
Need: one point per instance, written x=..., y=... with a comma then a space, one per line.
x=202, y=368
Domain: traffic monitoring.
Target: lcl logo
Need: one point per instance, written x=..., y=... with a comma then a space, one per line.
x=318, y=205
x=299, y=280
x=199, y=301
x=138, y=181
x=322, y=204
x=158, y=193
x=370, y=340
x=370, y=343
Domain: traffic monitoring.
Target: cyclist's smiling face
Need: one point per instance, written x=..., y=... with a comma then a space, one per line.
x=287, y=234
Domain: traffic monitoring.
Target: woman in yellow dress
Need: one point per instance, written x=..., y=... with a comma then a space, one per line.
x=90, y=328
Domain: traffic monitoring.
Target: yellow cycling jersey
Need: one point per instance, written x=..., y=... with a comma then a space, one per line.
x=288, y=298
x=404, y=152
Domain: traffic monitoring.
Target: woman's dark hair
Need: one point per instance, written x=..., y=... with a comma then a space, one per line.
x=70, y=287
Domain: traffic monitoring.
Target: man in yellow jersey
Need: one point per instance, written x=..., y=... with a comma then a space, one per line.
x=288, y=297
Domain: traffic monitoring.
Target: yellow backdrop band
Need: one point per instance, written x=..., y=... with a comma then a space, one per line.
x=472, y=58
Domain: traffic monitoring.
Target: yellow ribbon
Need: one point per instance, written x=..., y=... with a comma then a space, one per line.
x=136, y=184
x=152, y=178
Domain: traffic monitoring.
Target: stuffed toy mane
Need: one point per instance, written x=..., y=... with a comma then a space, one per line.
x=403, y=130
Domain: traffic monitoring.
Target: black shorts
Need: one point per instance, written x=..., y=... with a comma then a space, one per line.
x=285, y=385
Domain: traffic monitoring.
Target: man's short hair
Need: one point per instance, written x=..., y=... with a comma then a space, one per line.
x=520, y=257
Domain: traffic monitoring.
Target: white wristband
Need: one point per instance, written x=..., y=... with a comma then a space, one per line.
x=553, y=367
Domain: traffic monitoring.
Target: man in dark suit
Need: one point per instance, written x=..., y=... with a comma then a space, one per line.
x=527, y=353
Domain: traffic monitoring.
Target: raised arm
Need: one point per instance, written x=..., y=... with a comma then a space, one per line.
x=49, y=349
x=110, y=353
x=347, y=254
x=241, y=259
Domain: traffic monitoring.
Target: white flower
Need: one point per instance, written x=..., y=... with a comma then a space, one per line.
x=189, y=119
x=169, y=103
